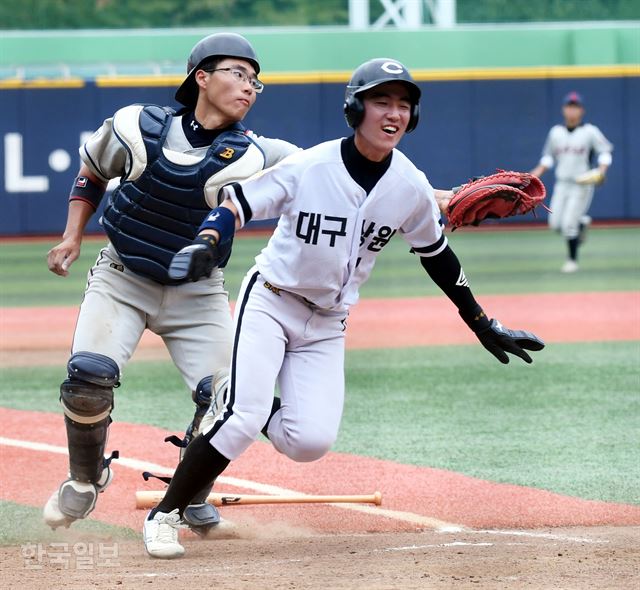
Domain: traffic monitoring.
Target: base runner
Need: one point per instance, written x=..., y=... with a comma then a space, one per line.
x=339, y=203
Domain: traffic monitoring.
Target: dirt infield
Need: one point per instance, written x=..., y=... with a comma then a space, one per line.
x=435, y=529
x=280, y=559
x=42, y=335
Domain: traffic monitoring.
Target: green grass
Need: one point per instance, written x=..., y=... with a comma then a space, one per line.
x=23, y=524
x=515, y=261
x=520, y=261
x=568, y=423
x=151, y=393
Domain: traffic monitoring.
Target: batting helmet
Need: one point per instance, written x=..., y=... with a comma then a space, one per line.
x=371, y=74
x=217, y=45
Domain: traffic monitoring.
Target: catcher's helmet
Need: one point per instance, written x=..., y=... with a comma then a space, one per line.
x=371, y=74
x=217, y=45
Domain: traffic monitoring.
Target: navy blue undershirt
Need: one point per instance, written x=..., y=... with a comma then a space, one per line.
x=196, y=134
x=365, y=172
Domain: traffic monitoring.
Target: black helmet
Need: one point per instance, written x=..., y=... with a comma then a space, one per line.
x=217, y=45
x=371, y=74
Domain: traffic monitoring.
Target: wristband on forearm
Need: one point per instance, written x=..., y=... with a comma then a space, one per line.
x=85, y=189
x=475, y=318
x=221, y=220
x=207, y=239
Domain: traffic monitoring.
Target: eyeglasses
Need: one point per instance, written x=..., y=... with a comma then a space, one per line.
x=242, y=76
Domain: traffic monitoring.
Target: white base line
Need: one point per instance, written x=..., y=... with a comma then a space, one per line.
x=263, y=488
x=550, y=536
x=410, y=517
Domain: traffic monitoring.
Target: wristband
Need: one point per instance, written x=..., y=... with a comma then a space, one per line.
x=476, y=319
x=85, y=189
x=207, y=239
x=223, y=221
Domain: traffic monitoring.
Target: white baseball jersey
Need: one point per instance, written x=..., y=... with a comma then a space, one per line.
x=293, y=305
x=571, y=151
x=330, y=231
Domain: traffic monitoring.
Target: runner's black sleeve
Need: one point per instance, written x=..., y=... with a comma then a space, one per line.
x=446, y=271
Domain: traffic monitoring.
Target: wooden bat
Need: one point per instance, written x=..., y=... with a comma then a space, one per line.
x=149, y=499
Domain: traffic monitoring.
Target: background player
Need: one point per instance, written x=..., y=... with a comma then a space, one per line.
x=171, y=166
x=339, y=203
x=571, y=148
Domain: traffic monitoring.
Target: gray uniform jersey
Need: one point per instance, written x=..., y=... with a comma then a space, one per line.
x=193, y=319
x=570, y=151
x=107, y=157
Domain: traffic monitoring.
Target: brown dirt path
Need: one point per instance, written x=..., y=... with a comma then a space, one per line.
x=36, y=335
x=507, y=542
x=436, y=495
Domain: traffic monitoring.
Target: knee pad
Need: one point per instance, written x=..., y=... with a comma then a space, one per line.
x=87, y=400
x=87, y=393
x=91, y=367
x=202, y=395
x=202, y=398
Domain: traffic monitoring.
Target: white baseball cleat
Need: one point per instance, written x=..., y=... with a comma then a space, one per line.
x=74, y=500
x=569, y=266
x=161, y=535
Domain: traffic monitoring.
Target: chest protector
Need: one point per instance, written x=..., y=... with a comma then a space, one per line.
x=159, y=205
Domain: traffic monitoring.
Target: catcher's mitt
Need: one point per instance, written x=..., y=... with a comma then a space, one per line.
x=502, y=194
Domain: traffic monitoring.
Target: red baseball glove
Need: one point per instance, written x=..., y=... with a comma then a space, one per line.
x=499, y=195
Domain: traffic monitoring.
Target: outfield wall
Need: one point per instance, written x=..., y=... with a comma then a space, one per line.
x=325, y=49
x=468, y=127
x=490, y=95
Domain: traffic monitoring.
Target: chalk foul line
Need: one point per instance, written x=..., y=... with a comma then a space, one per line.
x=439, y=526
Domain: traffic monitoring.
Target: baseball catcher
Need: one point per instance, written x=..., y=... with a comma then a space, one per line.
x=503, y=194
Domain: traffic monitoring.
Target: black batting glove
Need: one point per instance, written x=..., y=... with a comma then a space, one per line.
x=196, y=260
x=499, y=340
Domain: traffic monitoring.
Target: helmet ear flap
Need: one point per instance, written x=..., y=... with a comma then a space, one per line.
x=354, y=113
x=353, y=110
x=415, y=116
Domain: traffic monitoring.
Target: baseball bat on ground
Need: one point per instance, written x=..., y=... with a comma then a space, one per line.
x=149, y=499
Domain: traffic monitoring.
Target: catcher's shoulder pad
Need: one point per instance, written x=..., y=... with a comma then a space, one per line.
x=127, y=128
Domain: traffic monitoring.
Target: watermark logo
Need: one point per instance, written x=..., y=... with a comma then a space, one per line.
x=70, y=556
